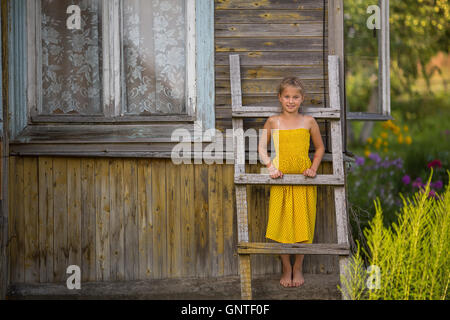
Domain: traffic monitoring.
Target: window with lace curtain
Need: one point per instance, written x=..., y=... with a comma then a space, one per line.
x=153, y=65
x=126, y=62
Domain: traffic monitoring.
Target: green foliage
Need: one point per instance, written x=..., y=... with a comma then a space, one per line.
x=419, y=29
x=412, y=254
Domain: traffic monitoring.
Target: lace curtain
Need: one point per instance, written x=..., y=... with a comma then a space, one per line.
x=71, y=59
x=153, y=57
x=154, y=40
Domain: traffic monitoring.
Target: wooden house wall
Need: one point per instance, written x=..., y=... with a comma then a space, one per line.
x=125, y=218
x=274, y=39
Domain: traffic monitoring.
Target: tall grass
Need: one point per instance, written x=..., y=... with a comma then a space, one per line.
x=412, y=254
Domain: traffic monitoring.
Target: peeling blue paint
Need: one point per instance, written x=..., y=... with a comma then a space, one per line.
x=205, y=62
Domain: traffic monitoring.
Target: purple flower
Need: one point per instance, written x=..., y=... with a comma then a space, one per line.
x=406, y=179
x=359, y=161
x=398, y=162
x=418, y=183
x=432, y=193
x=375, y=157
x=386, y=164
x=438, y=184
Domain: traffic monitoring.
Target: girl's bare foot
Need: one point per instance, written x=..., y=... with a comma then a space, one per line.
x=286, y=278
x=298, y=279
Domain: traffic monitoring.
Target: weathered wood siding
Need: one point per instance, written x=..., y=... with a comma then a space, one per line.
x=274, y=39
x=124, y=219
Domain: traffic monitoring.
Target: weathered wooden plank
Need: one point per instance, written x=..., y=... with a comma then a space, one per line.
x=31, y=214
x=88, y=220
x=289, y=248
x=273, y=4
x=103, y=212
x=46, y=219
x=67, y=133
x=173, y=219
x=145, y=237
x=202, y=207
x=224, y=100
x=365, y=116
x=254, y=219
x=266, y=86
x=303, y=29
x=215, y=223
x=159, y=211
x=229, y=221
x=131, y=219
x=74, y=211
x=17, y=225
x=60, y=219
x=188, y=247
x=265, y=112
x=274, y=73
x=117, y=223
x=144, y=118
x=289, y=179
x=267, y=16
x=281, y=58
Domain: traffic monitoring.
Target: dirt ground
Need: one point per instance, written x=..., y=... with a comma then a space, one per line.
x=317, y=286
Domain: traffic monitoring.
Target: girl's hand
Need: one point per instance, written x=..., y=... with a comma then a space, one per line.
x=274, y=172
x=310, y=173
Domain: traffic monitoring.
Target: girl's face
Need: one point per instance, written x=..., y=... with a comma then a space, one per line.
x=290, y=99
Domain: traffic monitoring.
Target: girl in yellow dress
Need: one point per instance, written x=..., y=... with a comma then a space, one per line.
x=292, y=209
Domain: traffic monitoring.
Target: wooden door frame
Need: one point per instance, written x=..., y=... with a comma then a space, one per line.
x=4, y=156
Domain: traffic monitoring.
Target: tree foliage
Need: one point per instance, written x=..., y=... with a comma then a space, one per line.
x=419, y=29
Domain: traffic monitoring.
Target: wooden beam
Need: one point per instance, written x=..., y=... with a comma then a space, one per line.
x=289, y=179
x=4, y=170
x=264, y=112
x=384, y=83
x=336, y=47
x=289, y=248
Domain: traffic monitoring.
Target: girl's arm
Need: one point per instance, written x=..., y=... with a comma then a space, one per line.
x=274, y=173
x=318, y=145
x=265, y=139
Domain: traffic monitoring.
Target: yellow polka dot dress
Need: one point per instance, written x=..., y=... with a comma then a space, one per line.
x=292, y=209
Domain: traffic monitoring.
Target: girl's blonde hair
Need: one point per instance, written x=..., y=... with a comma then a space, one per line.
x=291, y=82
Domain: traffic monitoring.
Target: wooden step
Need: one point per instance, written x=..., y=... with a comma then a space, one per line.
x=292, y=248
x=265, y=112
x=289, y=179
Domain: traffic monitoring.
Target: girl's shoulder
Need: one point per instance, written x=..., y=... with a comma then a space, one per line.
x=272, y=120
x=310, y=121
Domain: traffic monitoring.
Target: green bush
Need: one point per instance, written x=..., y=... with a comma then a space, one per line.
x=412, y=254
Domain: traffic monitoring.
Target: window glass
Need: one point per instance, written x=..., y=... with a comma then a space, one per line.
x=71, y=58
x=154, y=53
x=361, y=56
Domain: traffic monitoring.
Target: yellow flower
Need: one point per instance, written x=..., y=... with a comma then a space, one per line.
x=367, y=153
x=385, y=144
x=405, y=128
x=378, y=140
x=384, y=135
x=400, y=139
x=387, y=124
x=377, y=146
x=369, y=140
x=408, y=140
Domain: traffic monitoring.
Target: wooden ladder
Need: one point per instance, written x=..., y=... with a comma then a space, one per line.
x=241, y=179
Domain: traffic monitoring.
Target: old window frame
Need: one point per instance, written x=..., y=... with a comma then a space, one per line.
x=384, y=92
x=36, y=134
